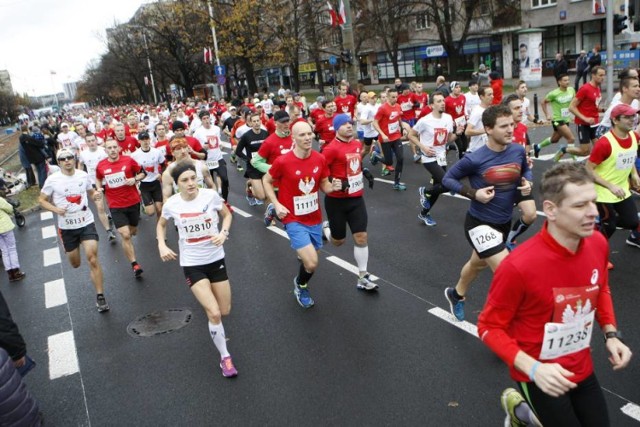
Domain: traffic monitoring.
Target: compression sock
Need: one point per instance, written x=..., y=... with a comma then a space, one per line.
x=219, y=339
x=361, y=254
x=544, y=142
x=518, y=228
x=303, y=275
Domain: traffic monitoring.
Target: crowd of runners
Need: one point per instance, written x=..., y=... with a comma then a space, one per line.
x=171, y=162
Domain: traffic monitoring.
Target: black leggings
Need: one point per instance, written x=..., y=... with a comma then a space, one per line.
x=388, y=150
x=584, y=406
x=221, y=171
x=463, y=144
x=622, y=214
x=436, y=188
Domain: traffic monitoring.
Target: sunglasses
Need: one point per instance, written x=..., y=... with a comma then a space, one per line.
x=66, y=158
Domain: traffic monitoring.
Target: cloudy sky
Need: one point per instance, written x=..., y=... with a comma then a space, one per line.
x=38, y=36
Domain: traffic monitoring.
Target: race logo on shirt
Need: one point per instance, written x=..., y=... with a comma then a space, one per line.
x=306, y=185
x=74, y=198
x=353, y=160
x=439, y=136
x=213, y=142
x=458, y=109
x=503, y=177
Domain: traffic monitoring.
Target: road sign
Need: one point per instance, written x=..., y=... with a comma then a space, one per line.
x=333, y=60
x=220, y=70
x=222, y=80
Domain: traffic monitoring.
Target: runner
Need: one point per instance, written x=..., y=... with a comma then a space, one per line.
x=246, y=149
x=344, y=158
x=475, y=130
x=209, y=137
x=612, y=162
x=153, y=162
x=455, y=106
x=560, y=100
x=120, y=175
x=127, y=143
x=180, y=150
x=431, y=135
x=196, y=213
x=65, y=194
x=387, y=122
x=89, y=159
x=300, y=174
x=497, y=173
x=324, y=123
x=409, y=104
x=531, y=312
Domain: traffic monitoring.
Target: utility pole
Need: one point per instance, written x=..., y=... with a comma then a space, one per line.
x=215, y=41
x=146, y=49
x=610, y=51
x=353, y=68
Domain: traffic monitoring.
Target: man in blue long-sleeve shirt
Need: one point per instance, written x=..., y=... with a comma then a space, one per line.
x=497, y=172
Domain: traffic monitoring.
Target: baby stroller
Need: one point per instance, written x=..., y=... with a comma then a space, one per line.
x=10, y=186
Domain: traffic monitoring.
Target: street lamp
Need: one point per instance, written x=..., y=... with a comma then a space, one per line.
x=146, y=51
x=215, y=41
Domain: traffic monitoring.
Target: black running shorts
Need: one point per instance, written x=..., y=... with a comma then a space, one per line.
x=214, y=272
x=349, y=210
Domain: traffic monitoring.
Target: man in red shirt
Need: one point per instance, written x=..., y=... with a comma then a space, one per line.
x=344, y=159
x=455, y=106
x=324, y=123
x=127, y=144
x=409, y=104
x=423, y=97
x=585, y=106
x=300, y=174
x=345, y=103
x=162, y=142
x=539, y=321
x=120, y=175
x=387, y=122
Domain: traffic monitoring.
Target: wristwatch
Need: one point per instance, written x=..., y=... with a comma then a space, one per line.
x=613, y=334
x=225, y=232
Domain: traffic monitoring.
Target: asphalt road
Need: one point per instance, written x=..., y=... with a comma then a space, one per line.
x=390, y=358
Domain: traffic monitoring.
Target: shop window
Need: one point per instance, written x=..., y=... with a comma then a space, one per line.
x=422, y=21
x=542, y=3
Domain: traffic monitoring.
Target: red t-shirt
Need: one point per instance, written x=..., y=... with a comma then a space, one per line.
x=520, y=134
x=324, y=128
x=426, y=110
x=602, y=148
x=194, y=144
x=270, y=126
x=316, y=114
x=406, y=103
x=165, y=147
x=423, y=99
x=523, y=297
x=496, y=85
x=388, y=118
x=589, y=97
x=119, y=195
x=345, y=163
x=275, y=146
x=455, y=106
x=346, y=105
x=299, y=182
x=129, y=144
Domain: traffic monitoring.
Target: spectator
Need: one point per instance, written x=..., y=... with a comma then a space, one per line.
x=24, y=160
x=582, y=64
x=561, y=66
x=496, y=84
x=482, y=76
x=8, y=242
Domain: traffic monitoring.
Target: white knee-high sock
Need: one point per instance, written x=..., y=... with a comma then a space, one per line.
x=219, y=339
x=361, y=254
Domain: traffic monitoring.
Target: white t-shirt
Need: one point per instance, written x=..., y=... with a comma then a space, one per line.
x=360, y=108
x=267, y=106
x=80, y=144
x=91, y=159
x=210, y=140
x=369, y=113
x=606, y=118
x=150, y=162
x=434, y=132
x=70, y=193
x=526, y=104
x=471, y=101
x=475, y=120
x=66, y=140
x=197, y=221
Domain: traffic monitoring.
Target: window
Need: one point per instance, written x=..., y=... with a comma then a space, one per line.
x=543, y=3
x=335, y=38
x=422, y=21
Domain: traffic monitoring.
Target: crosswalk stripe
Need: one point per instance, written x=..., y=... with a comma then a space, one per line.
x=63, y=358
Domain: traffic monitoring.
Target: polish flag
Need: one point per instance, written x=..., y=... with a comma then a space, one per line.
x=342, y=18
x=334, y=16
x=207, y=56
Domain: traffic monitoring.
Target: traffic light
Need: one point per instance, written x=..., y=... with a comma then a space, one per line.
x=619, y=23
x=345, y=55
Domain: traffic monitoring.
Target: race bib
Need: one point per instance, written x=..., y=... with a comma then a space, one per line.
x=75, y=219
x=303, y=205
x=626, y=160
x=406, y=106
x=441, y=158
x=561, y=339
x=355, y=183
x=461, y=121
x=564, y=112
x=484, y=238
x=394, y=127
x=212, y=164
x=115, y=180
x=196, y=227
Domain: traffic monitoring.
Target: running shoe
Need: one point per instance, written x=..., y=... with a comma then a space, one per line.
x=374, y=158
x=326, y=231
x=101, y=303
x=228, y=370
x=269, y=215
x=510, y=399
x=399, y=187
x=416, y=158
x=251, y=200
x=427, y=219
x=536, y=150
x=365, y=283
x=561, y=152
x=456, y=306
x=233, y=158
x=258, y=202
x=391, y=168
x=633, y=241
x=239, y=167
x=385, y=171
x=137, y=271
x=112, y=236
x=424, y=198
x=302, y=294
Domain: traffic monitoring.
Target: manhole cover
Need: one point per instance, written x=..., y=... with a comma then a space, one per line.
x=159, y=322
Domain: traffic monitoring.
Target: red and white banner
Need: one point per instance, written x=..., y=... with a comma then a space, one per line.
x=207, y=55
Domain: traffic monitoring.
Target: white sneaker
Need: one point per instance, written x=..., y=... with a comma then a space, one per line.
x=366, y=284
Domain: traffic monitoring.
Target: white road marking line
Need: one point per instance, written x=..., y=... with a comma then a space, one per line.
x=278, y=231
x=241, y=212
x=632, y=410
x=386, y=181
x=470, y=328
x=51, y=256
x=48, y=231
x=46, y=215
x=349, y=267
x=63, y=358
x=55, y=293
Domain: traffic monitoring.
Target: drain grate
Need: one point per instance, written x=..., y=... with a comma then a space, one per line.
x=159, y=322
